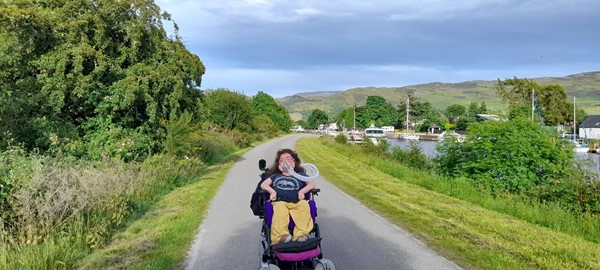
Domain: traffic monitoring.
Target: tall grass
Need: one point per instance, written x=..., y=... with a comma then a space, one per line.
x=63, y=209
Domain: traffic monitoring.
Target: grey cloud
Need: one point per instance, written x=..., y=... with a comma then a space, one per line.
x=433, y=36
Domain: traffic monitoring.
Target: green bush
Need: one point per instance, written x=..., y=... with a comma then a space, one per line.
x=15, y=167
x=341, y=138
x=512, y=156
x=520, y=157
x=412, y=157
x=104, y=139
x=215, y=147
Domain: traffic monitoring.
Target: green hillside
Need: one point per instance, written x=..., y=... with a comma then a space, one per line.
x=585, y=86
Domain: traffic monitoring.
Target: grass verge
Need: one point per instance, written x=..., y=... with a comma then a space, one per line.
x=162, y=237
x=470, y=235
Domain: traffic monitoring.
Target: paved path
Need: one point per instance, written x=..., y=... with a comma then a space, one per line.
x=354, y=238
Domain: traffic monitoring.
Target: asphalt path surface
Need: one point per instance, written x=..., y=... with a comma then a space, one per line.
x=354, y=237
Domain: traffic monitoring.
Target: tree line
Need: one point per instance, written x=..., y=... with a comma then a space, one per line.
x=97, y=78
x=550, y=104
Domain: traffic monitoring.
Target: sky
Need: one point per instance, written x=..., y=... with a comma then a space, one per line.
x=287, y=47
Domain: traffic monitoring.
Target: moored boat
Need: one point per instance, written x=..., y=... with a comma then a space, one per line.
x=410, y=136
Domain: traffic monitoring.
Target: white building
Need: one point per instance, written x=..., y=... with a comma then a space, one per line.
x=388, y=129
x=590, y=128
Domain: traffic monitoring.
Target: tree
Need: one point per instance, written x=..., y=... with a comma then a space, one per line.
x=110, y=64
x=425, y=111
x=346, y=118
x=228, y=109
x=263, y=104
x=555, y=107
x=455, y=110
x=316, y=118
x=475, y=109
x=377, y=111
x=516, y=92
x=551, y=100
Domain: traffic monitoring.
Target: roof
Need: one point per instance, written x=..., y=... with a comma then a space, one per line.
x=592, y=121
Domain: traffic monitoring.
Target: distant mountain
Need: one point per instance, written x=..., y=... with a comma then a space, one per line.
x=585, y=86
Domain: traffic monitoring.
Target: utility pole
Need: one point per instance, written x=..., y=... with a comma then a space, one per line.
x=407, y=109
x=532, y=104
x=354, y=125
x=574, y=119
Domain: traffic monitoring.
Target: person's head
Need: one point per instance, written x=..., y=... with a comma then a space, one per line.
x=288, y=156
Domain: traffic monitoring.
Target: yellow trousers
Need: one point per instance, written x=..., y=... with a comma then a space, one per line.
x=300, y=213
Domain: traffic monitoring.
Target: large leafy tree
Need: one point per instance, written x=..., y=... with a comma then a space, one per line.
x=264, y=104
x=377, y=111
x=345, y=118
x=555, y=106
x=423, y=110
x=75, y=68
x=455, y=110
x=316, y=118
x=551, y=100
x=516, y=92
x=228, y=109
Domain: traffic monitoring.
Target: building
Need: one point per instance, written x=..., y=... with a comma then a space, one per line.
x=388, y=129
x=590, y=128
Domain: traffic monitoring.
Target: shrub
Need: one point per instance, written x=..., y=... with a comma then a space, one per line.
x=412, y=157
x=104, y=139
x=183, y=138
x=215, y=147
x=340, y=138
x=511, y=156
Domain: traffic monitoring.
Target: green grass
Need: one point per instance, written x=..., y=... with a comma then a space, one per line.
x=463, y=231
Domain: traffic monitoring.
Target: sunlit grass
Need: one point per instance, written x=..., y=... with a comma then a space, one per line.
x=471, y=228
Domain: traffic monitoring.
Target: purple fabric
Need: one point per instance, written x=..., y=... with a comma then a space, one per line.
x=313, y=210
x=300, y=256
x=269, y=214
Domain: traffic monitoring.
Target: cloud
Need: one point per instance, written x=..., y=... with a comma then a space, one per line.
x=310, y=45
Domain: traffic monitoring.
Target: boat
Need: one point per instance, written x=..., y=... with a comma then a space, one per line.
x=354, y=137
x=410, y=136
x=374, y=132
x=580, y=147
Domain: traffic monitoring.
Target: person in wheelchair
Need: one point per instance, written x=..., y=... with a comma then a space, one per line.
x=288, y=197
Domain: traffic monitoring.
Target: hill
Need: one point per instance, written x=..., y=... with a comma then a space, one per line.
x=585, y=86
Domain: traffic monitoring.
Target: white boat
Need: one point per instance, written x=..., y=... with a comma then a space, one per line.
x=354, y=137
x=410, y=137
x=374, y=132
x=580, y=147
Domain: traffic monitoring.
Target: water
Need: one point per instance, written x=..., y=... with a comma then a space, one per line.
x=428, y=148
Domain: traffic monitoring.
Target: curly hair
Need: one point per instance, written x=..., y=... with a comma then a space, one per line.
x=297, y=161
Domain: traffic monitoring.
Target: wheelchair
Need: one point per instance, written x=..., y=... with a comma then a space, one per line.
x=291, y=255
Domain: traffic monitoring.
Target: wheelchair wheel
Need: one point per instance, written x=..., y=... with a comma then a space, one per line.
x=316, y=230
x=325, y=264
x=270, y=267
x=312, y=263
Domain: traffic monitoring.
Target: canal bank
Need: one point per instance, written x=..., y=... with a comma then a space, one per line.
x=428, y=148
